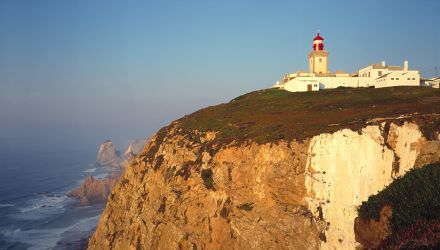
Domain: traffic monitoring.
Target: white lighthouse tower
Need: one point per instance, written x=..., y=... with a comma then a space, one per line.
x=318, y=58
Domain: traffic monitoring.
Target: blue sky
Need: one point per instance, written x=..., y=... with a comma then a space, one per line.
x=91, y=70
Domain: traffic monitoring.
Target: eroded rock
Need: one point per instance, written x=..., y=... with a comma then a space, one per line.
x=93, y=191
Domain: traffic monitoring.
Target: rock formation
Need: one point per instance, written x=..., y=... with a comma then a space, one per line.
x=134, y=148
x=107, y=155
x=93, y=191
x=244, y=183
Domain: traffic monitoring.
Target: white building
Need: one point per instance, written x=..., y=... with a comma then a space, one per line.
x=302, y=81
x=431, y=82
x=318, y=77
x=380, y=75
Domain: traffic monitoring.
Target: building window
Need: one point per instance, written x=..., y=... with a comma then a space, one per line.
x=320, y=59
x=368, y=74
x=413, y=78
x=392, y=78
x=315, y=85
x=408, y=78
x=397, y=79
x=379, y=73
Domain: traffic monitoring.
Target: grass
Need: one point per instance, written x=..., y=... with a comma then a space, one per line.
x=272, y=114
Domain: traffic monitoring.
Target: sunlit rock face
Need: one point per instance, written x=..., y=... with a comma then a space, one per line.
x=346, y=167
x=187, y=191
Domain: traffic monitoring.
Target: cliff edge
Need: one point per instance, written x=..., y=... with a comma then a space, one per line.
x=270, y=170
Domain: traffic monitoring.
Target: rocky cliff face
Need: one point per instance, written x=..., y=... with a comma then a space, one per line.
x=186, y=192
x=346, y=167
x=193, y=189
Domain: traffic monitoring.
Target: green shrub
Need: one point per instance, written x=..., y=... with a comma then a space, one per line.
x=412, y=197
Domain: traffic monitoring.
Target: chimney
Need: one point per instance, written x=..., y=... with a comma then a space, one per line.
x=405, y=65
x=383, y=64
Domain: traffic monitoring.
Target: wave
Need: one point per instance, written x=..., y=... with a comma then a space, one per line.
x=45, y=205
x=101, y=176
x=49, y=238
x=90, y=170
x=7, y=205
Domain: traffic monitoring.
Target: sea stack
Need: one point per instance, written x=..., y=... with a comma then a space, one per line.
x=107, y=155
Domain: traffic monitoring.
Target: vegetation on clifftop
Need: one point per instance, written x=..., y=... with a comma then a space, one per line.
x=274, y=114
x=414, y=198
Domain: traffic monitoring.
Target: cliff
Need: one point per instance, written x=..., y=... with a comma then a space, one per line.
x=270, y=170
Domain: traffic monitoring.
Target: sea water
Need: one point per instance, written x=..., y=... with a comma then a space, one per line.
x=35, y=212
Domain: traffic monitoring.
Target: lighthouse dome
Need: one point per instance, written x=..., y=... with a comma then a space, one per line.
x=318, y=37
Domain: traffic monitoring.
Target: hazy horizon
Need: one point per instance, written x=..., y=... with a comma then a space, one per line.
x=84, y=71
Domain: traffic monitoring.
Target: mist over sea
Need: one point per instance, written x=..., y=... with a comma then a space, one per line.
x=35, y=176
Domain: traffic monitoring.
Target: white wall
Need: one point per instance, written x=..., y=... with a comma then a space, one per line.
x=299, y=84
x=334, y=82
x=368, y=77
x=399, y=78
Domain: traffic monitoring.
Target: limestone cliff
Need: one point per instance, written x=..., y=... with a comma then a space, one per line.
x=225, y=178
x=346, y=167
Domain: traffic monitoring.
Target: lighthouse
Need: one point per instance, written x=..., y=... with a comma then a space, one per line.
x=318, y=57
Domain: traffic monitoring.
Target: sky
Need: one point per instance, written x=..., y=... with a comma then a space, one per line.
x=86, y=71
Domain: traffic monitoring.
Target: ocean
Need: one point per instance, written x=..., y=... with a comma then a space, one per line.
x=35, y=212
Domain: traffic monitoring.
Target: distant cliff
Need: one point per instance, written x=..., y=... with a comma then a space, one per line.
x=108, y=156
x=93, y=191
x=270, y=169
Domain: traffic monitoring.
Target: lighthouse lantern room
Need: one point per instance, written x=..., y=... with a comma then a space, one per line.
x=318, y=57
